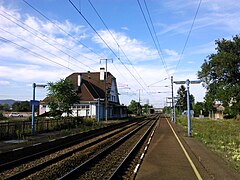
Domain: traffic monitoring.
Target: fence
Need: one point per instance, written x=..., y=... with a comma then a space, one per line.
x=9, y=130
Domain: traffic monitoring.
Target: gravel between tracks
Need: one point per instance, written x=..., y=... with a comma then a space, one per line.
x=46, y=158
x=104, y=168
x=62, y=167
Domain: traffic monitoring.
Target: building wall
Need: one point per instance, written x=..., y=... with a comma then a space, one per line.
x=113, y=95
x=91, y=110
x=43, y=109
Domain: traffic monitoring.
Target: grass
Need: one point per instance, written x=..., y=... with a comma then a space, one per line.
x=222, y=136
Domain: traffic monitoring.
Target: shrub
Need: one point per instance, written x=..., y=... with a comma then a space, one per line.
x=89, y=122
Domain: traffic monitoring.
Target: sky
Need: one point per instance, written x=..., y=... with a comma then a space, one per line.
x=146, y=42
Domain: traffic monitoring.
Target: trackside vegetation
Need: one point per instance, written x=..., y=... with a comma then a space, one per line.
x=221, y=136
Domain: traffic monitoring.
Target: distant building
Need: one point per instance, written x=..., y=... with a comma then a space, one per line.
x=218, y=114
x=156, y=110
x=91, y=89
x=185, y=112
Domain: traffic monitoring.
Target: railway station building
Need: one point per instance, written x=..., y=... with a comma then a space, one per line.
x=93, y=88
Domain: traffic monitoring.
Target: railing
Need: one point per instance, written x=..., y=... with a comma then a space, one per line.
x=19, y=129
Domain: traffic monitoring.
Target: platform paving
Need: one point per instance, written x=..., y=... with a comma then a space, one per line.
x=165, y=159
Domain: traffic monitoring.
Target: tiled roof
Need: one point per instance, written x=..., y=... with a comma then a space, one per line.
x=91, y=86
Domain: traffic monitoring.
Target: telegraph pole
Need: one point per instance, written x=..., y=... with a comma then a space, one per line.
x=106, y=94
x=139, y=109
x=172, y=108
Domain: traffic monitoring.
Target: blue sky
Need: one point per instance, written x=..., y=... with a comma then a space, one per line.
x=40, y=50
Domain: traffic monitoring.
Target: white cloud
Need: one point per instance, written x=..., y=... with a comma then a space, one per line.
x=42, y=41
x=171, y=56
x=171, y=52
x=4, y=83
x=205, y=49
x=125, y=28
x=133, y=48
x=30, y=73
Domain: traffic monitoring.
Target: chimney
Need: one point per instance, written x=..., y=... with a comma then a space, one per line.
x=79, y=80
x=102, y=74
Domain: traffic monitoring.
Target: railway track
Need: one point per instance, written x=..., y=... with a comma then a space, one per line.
x=58, y=162
x=113, y=162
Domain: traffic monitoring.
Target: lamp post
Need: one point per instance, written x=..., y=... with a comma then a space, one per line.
x=35, y=103
x=187, y=82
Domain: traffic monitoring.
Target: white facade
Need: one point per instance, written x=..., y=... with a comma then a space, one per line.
x=89, y=94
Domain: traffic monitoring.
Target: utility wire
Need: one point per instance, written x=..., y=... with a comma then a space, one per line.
x=158, y=81
x=156, y=37
x=35, y=46
x=119, y=47
x=42, y=34
x=60, y=28
x=105, y=43
x=149, y=29
x=42, y=40
x=159, y=47
x=189, y=33
x=93, y=28
x=22, y=48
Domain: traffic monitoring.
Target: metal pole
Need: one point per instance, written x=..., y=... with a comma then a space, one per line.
x=188, y=109
x=166, y=113
x=33, y=109
x=98, y=109
x=106, y=98
x=139, y=109
x=172, y=108
x=106, y=111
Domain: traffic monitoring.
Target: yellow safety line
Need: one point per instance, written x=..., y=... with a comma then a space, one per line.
x=186, y=154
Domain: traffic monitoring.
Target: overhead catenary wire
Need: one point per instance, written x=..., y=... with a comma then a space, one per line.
x=119, y=47
x=106, y=43
x=61, y=28
x=42, y=40
x=188, y=36
x=42, y=34
x=158, y=48
x=79, y=12
x=156, y=37
x=35, y=45
x=158, y=81
x=22, y=48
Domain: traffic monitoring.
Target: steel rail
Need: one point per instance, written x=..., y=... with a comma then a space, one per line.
x=23, y=158
x=75, y=172
x=137, y=146
x=39, y=167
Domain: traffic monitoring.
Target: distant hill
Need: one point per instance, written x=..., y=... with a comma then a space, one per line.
x=10, y=102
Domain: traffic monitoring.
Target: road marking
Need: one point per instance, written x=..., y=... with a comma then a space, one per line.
x=17, y=149
x=145, y=150
x=36, y=144
x=136, y=168
x=186, y=154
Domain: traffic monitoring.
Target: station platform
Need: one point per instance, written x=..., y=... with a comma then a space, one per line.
x=166, y=159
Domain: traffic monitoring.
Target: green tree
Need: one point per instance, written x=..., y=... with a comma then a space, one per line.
x=200, y=109
x=221, y=73
x=135, y=107
x=21, y=106
x=61, y=96
x=5, y=107
x=146, y=108
x=182, y=98
x=167, y=110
